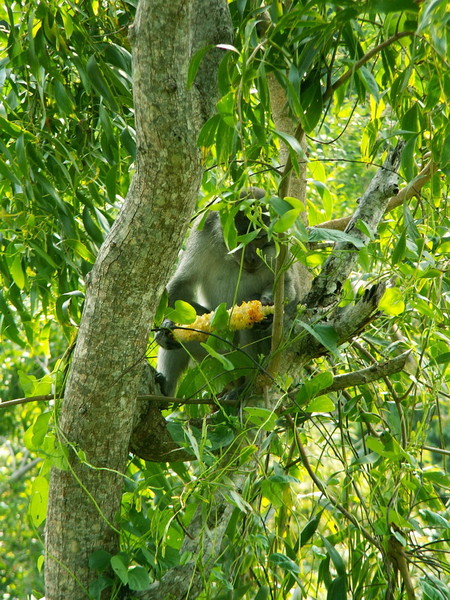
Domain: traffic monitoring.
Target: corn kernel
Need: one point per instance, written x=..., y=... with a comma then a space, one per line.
x=240, y=317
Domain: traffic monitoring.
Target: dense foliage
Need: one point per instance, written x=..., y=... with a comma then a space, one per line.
x=377, y=452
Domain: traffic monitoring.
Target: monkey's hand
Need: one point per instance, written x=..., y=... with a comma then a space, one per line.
x=165, y=338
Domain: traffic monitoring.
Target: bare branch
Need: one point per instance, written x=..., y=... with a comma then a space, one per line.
x=327, y=285
x=365, y=376
x=412, y=189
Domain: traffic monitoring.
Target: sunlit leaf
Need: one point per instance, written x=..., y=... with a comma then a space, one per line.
x=39, y=500
x=392, y=302
x=183, y=312
x=321, y=404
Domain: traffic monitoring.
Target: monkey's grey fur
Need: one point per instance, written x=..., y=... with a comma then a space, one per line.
x=208, y=274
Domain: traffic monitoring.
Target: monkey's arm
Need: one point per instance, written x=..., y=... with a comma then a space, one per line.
x=171, y=364
x=186, y=280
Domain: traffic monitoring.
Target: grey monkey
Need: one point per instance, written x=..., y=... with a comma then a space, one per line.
x=208, y=274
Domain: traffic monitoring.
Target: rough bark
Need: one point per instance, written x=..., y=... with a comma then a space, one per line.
x=284, y=122
x=126, y=283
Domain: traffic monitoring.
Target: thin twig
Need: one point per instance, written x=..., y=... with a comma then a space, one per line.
x=324, y=491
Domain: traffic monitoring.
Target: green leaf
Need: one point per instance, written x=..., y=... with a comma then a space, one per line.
x=225, y=108
x=263, y=593
x=34, y=435
x=338, y=588
x=261, y=417
x=16, y=271
x=226, y=364
x=283, y=205
x=400, y=249
x=321, y=234
x=325, y=334
x=336, y=558
x=313, y=111
x=32, y=386
x=386, y=446
x=43, y=254
x=8, y=326
x=138, y=579
x=388, y=6
x=309, y=530
x=14, y=130
x=322, y=404
x=434, y=589
x=100, y=560
x=39, y=500
x=313, y=386
x=64, y=101
x=292, y=143
x=442, y=359
x=285, y=222
x=364, y=228
x=183, y=313
x=434, y=519
x=392, y=302
x=437, y=477
x=91, y=226
x=220, y=317
x=66, y=307
x=120, y=568
x=369, y=82
x=195, y=64
x=207, y=135
x=127, y=138
x=283, y=562
x=98, y=585
x=99, y=82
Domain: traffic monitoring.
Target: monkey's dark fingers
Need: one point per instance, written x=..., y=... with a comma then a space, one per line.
x=164, y=337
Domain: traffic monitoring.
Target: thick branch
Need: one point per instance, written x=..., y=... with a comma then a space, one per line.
x=405, y=194
x=365, y=376
x=327, y=285
x=346, y=323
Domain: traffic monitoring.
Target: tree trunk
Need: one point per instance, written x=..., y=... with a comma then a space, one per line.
x=126, y=283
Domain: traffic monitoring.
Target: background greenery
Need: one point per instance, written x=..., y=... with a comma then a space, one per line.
x=67, y=151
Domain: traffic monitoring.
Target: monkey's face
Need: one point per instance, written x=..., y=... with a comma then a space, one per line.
x=258, y=251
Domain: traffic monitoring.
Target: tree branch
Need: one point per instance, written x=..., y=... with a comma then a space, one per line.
x=337, y=505
x=327, y=286
x=346, y=323
x=365, y=376
x=362, y=61
x=412, y=189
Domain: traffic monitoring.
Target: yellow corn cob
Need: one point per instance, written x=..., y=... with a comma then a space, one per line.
x=241, y=317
